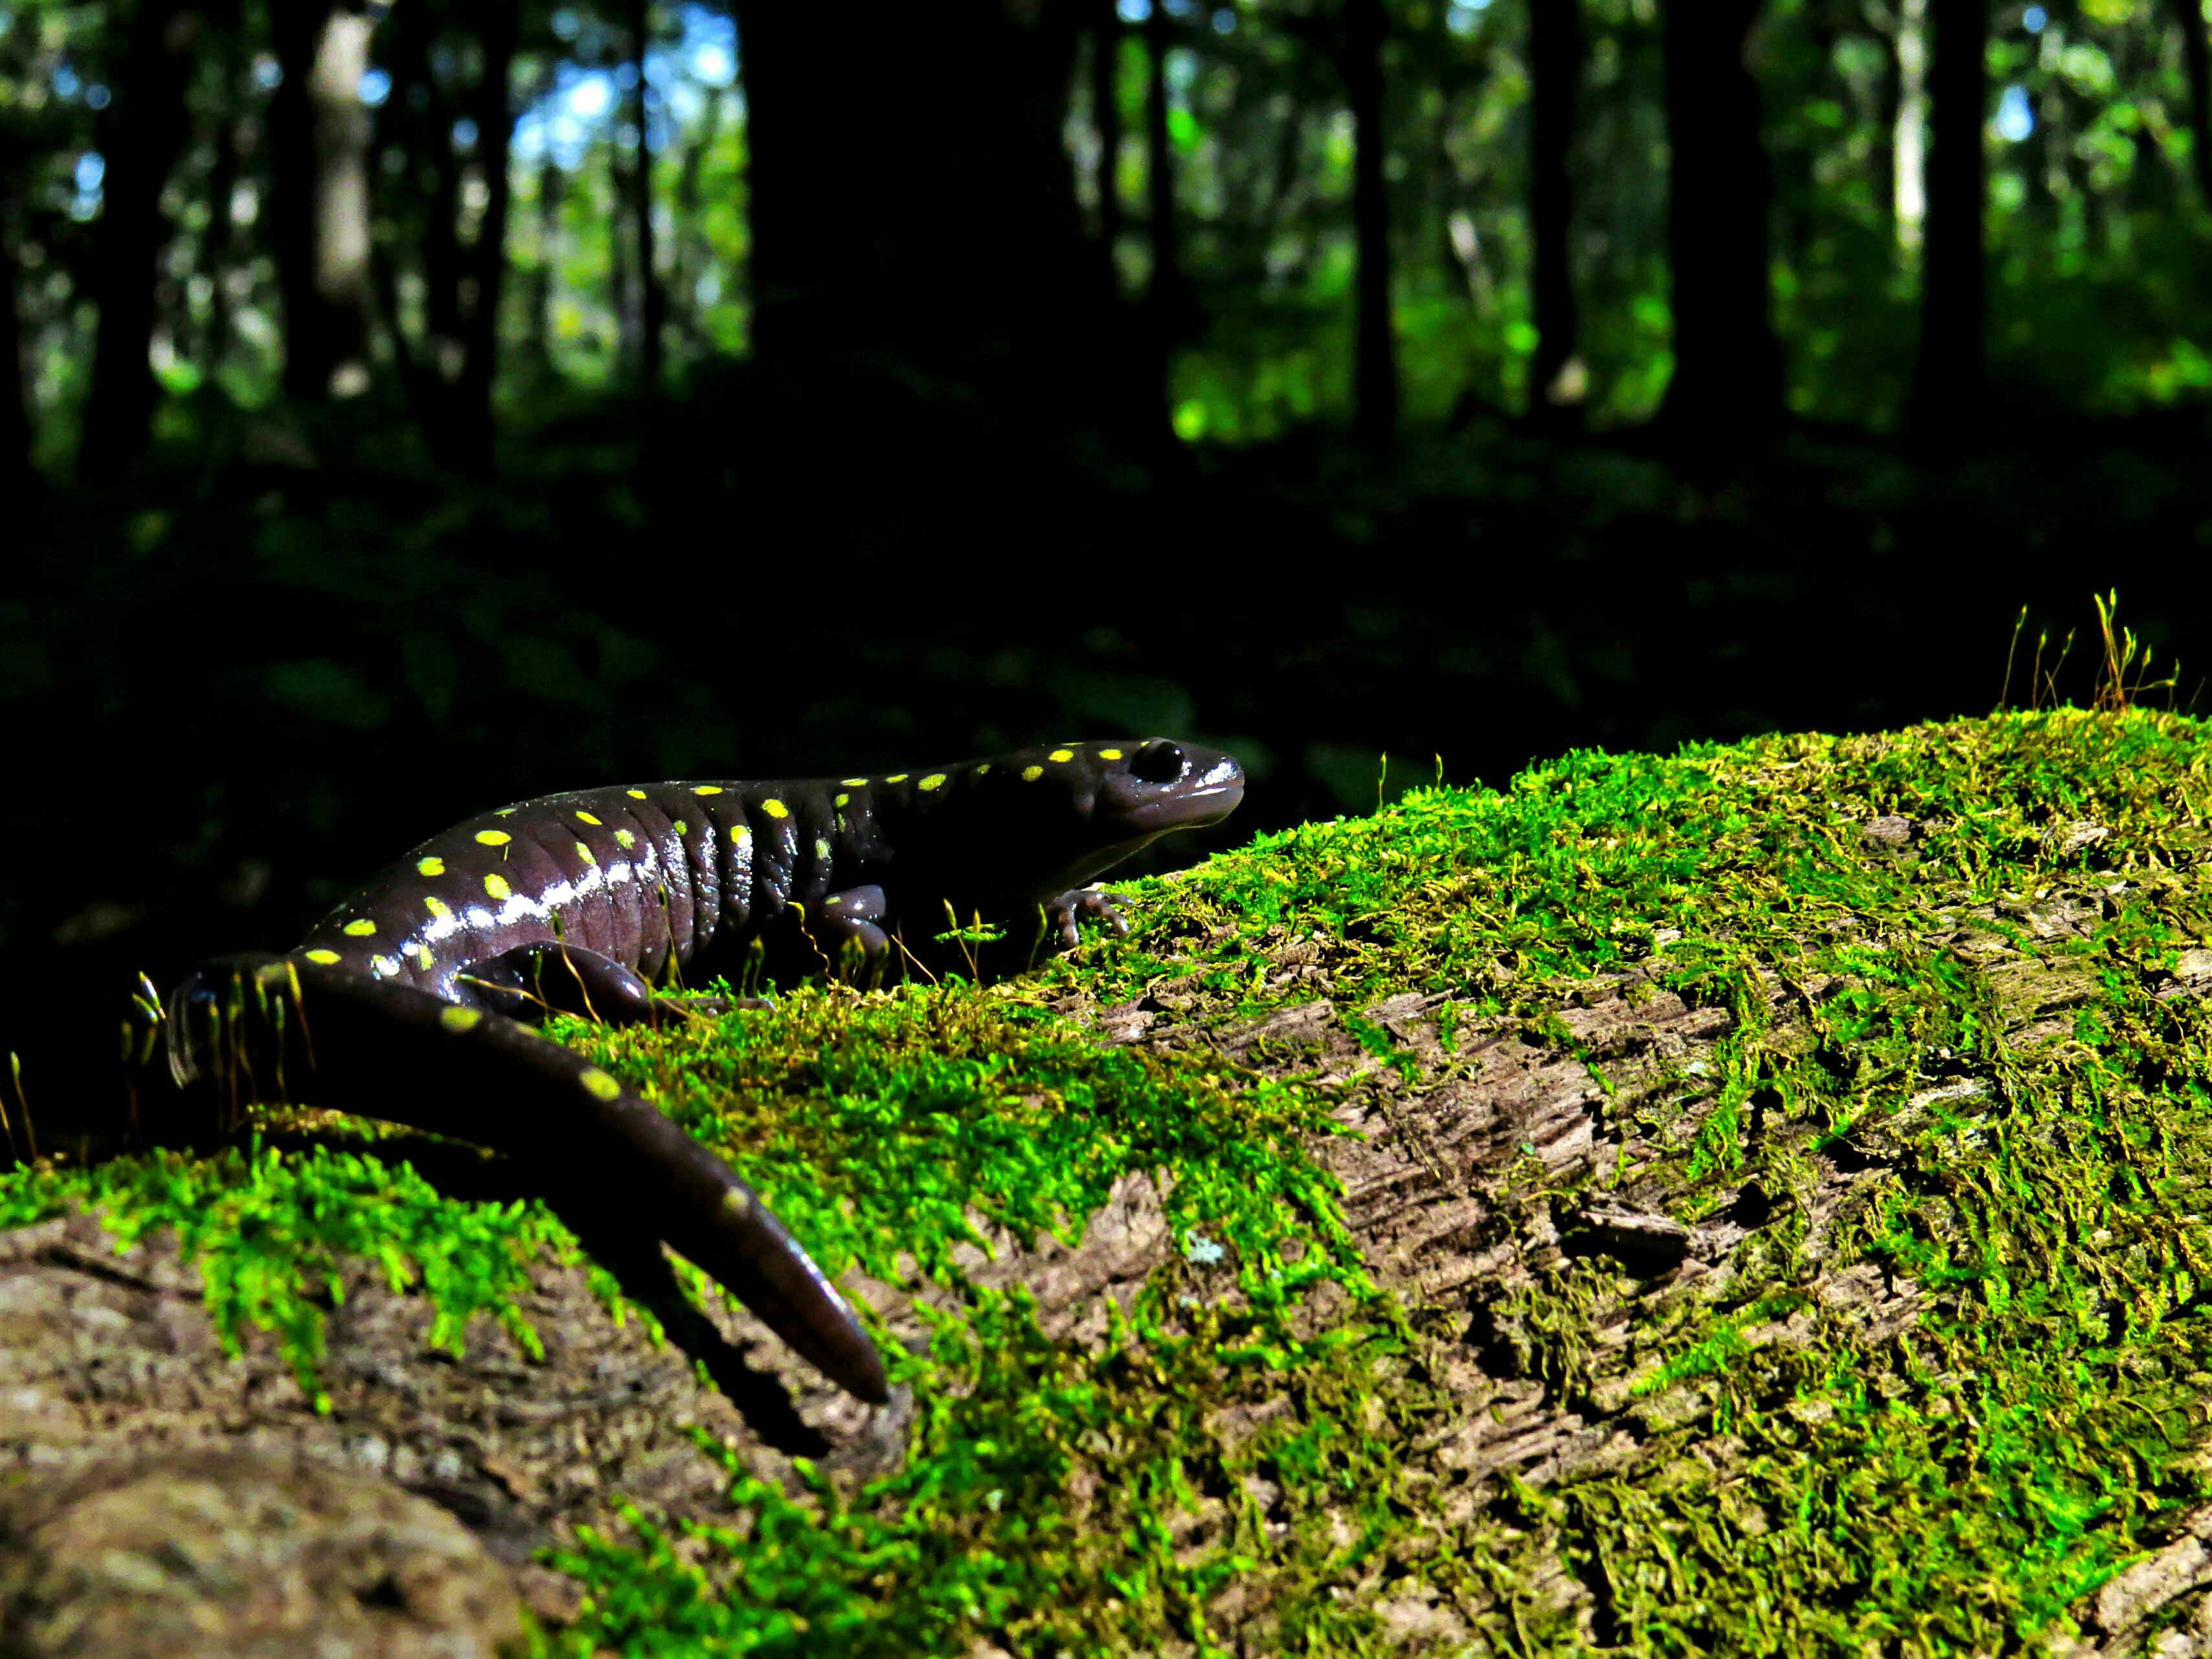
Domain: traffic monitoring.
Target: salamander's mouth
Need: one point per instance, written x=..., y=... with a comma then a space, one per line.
x=1191, y=810
x=1173, y=786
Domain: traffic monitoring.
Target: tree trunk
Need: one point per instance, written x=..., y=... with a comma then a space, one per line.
x=319, y=136
x=2196, y=59
x=1376, y=371
x=651, y=303
x=552, y=184
x=492, y=111
x=1106, y=115
x=16, y=472
x=142, y=133
x=1555, y=67
x=914, y=218
x=1727, y=386
x=1164, y=294
x=1946, y=378
x=226, y=28
x=694, y=252
x=1889, y=96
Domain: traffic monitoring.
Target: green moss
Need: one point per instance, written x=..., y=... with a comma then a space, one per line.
x=272, y=1233
x=1955, y=1479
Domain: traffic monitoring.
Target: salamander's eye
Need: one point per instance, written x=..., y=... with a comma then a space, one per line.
x=1159, y=761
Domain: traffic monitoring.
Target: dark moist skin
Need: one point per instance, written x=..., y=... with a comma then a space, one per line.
x=407, y=1001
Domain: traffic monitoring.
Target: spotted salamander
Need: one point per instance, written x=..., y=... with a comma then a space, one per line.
x=408, y=1001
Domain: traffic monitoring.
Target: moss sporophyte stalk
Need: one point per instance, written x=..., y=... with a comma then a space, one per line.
x=1861, y=1310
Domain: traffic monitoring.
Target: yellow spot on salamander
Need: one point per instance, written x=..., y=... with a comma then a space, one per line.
x=821, y=847
x=738, y=1201
x=774, y=808
x=835, y=898
x=1110, y=754
x=430, y=867
x=635, y=795
x=496, y=885
x=934, y=780
x=360, y=928
x=681, y=828
x=458, y=1020
x=327, y=958
x=706, y=789
x=1061, y=755
x=854, y=783
x=506, y=811
x=586, y=817
x=1031, y=774
x=984, y=767
x=494, y=837
x=584, y=853
x=844, y=800
x=420, y=952
x=741, y=833
x=599, y=1083
x=436, y=906
x=896, y=777
x=383, y=967
x=625, y=839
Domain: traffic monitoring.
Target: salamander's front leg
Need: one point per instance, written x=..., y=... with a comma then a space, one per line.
x=1062, y=914
x=845, y=928
x=547, y=977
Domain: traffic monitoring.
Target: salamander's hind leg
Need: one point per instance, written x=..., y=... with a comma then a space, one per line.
x=1062, y=915
x=846, y=929
x=548, y=977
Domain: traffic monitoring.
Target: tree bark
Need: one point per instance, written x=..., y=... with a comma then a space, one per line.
x=1728, y=380
x=142, y=133
x=1555, y=67
x=652, y=303
x=1376, y=372
x=320, y=134
x=1946, y=378
x=2196, y=59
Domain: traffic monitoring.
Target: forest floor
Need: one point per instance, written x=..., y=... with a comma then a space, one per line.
x=1752, y=1201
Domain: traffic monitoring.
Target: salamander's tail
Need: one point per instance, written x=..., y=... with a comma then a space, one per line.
x=263, y=1028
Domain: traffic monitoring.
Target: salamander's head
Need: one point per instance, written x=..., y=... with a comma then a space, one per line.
x=1060, y=816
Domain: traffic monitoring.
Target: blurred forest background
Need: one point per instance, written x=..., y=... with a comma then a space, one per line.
x=407, y=408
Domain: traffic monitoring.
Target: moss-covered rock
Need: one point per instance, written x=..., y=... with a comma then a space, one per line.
x=1752, y=1201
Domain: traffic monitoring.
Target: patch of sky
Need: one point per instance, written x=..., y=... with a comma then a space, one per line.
x=2034, y=19
x=91, y=169
x=1462, y=15
x=1133, y=11
x=465, y=134
x=1225, y=21
x=375, y=86
x=1180, y=7
x=703, y=58
x=2015, y=116
x=95, y=96
x=268, y=73
x=65, y=81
